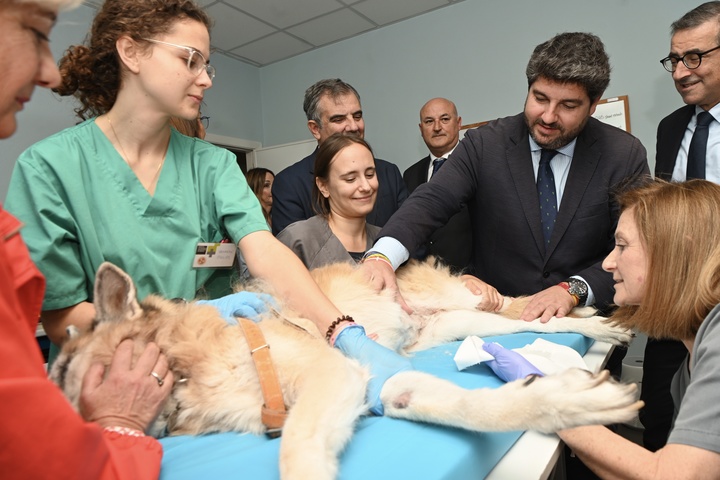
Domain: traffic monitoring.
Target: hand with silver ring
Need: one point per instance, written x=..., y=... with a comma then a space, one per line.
x=120, y=395
x=158, y=378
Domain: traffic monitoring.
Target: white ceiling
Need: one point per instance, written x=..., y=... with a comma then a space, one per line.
x=260, y=32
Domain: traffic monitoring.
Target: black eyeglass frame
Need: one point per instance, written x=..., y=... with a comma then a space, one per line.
x=673, y=66
x=205, y=120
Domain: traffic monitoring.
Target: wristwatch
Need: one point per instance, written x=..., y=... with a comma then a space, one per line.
x=577, y=288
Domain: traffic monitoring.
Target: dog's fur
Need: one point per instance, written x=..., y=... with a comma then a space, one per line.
x=324, y=390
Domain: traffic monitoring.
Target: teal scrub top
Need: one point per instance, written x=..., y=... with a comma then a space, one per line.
x=82, y=205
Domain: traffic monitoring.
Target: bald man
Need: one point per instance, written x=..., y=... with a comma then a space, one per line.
x=440, y=130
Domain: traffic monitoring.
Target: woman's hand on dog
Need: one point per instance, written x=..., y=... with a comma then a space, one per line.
x=126, y=395
x=551, y=302
x=491, y=301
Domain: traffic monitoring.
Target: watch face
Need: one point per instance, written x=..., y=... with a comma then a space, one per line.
x=578, y=287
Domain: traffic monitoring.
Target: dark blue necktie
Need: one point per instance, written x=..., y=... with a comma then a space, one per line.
x=547, y=194
x=437, y=163
x=698, y=147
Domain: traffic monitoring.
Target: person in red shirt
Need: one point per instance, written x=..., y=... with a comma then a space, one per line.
x=40, y=434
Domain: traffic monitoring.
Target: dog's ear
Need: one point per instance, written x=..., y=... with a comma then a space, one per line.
x=115, y=296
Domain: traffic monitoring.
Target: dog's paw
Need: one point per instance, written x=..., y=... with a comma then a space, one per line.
x=603, y=330
x=577, y=397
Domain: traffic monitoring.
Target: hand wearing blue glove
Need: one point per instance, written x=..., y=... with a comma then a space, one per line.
x=383, y=362
x=509, y=365
x=241, y=304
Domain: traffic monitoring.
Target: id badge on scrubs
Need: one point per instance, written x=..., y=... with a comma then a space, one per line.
x=214, y=255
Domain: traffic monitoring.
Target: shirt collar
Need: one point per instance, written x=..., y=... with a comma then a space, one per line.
x=446, y=155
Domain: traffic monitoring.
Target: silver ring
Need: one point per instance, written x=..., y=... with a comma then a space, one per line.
x=158, y=378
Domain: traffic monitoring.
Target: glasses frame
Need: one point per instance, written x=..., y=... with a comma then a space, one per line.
x=673, y=66
x=209, y=69
x=205, y=120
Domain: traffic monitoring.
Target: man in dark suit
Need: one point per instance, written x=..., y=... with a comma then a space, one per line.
x=440, y=130
x=694, y=62
x=554, y=150
x=331, y=106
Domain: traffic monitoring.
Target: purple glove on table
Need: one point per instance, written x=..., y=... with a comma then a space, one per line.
x=383, y=362
x=241, y=304
x=509, y=365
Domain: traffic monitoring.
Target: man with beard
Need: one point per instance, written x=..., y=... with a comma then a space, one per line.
x=539, y=187
x=331, y=106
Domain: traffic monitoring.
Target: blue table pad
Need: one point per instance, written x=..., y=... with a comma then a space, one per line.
x=381, y=448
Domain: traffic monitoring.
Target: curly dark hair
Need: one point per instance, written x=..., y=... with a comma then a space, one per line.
x=92, y=72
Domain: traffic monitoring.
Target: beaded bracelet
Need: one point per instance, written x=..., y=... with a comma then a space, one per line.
x=333, y=325
x=131, y=432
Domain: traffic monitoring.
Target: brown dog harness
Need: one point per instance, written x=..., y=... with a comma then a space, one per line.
x=273, y=411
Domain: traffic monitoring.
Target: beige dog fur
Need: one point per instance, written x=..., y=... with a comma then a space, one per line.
x=219, y=390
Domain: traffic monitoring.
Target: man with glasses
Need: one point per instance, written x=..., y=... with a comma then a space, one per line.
x=688, y=146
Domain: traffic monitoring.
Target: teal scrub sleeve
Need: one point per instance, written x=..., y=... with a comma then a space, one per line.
x=49, y=229
x=236, y=206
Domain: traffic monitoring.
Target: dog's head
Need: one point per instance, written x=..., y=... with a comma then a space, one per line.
x=118, y=316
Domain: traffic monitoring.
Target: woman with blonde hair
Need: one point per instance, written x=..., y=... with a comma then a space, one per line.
x=42, y=435
x=666, y=268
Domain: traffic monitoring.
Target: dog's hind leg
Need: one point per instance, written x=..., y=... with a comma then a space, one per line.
x=547, y=404
x=330, y=399
x=444, y=327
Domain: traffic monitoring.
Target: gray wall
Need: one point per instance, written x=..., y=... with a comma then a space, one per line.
x=473, y=52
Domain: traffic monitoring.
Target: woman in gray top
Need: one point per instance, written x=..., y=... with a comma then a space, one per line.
x=345, y=191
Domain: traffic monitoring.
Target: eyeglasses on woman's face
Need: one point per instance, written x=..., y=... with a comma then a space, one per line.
x=196, y=61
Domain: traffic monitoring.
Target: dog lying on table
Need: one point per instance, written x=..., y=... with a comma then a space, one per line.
x=218, y=389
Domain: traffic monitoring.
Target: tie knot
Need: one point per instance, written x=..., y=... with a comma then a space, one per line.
x=547, y=155
x=704, y=119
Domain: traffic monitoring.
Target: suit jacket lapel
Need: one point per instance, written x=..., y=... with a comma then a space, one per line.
x=521, y=169
x=669, y=145
x=582, y=168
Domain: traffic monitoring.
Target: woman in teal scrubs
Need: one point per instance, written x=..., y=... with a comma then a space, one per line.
x=124, y=187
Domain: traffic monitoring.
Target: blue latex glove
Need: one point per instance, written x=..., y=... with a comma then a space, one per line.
x=383, y=362
x=242, y=304
x=509, y=365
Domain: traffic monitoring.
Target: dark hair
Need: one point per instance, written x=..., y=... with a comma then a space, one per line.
x=256, y=180
x=326, y=152
x=92, y=72
x=334, y=87
x=572, y=58
x=697, y=16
